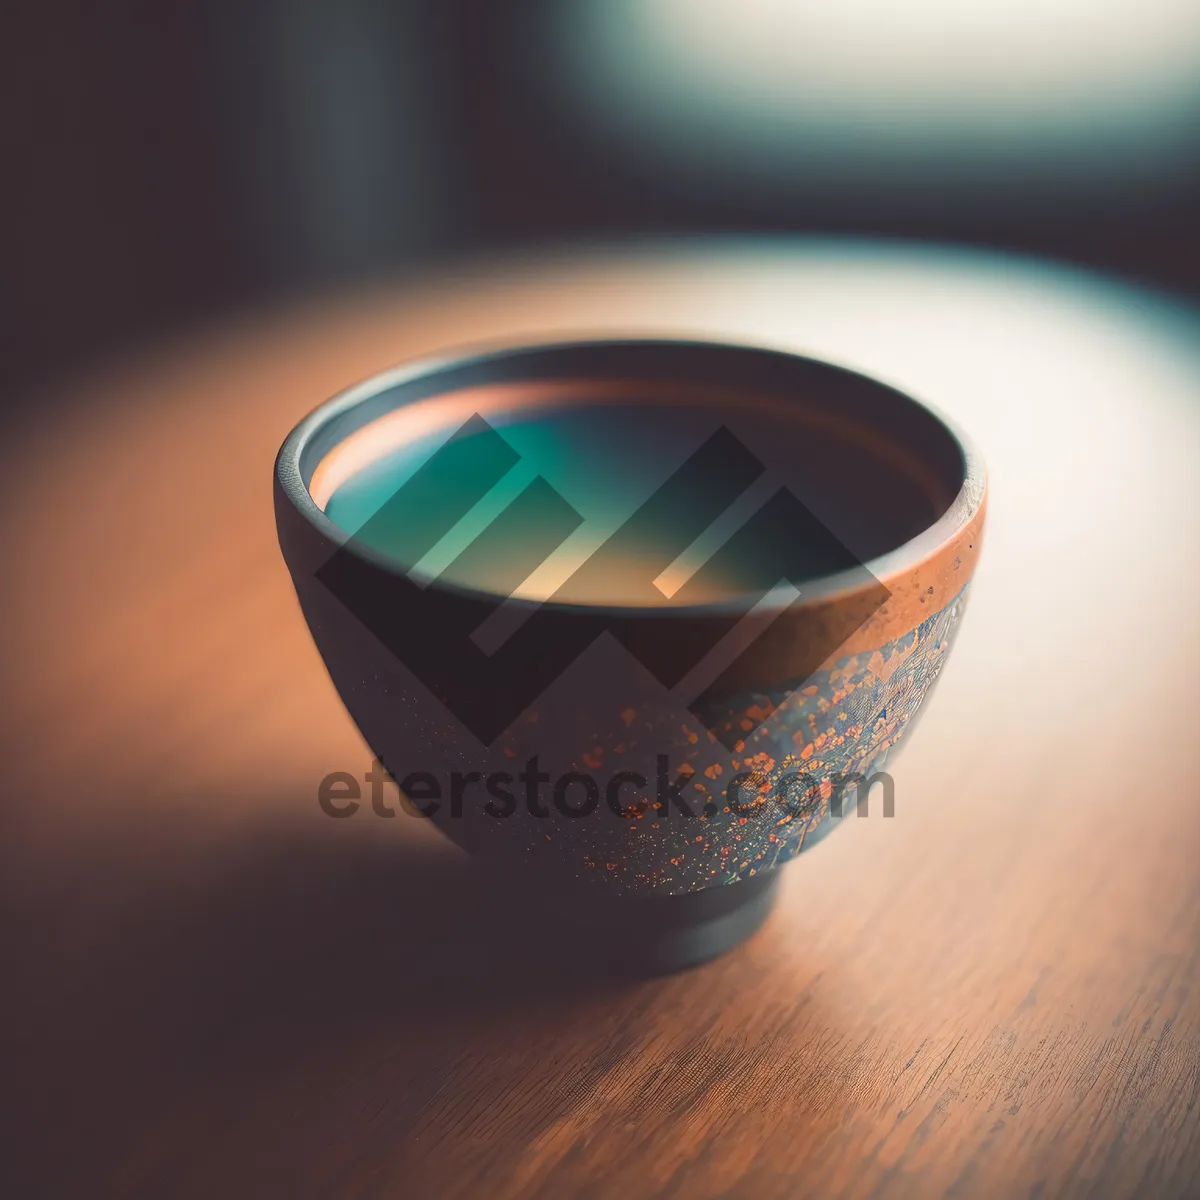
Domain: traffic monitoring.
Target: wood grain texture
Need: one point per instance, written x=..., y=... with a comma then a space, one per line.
x=218, y=991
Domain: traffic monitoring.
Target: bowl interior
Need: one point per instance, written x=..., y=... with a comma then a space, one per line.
x=503, y=475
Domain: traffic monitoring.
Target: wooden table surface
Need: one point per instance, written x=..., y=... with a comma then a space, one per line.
x=218, y=991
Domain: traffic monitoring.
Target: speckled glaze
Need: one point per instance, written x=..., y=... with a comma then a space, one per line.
x=847, y=718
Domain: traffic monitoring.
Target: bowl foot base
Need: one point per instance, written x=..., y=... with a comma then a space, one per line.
x=655, y=935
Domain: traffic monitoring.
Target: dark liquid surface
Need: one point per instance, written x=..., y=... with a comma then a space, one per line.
x=554, y=485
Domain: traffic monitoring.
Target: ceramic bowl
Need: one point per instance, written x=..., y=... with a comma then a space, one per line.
x=714, y=588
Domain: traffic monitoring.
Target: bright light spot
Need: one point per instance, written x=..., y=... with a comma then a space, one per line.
x=966, y=88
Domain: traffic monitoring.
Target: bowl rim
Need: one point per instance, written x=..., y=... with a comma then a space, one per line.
x=891, y=565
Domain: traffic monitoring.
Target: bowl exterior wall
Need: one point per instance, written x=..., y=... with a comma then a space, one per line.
x=805, y=763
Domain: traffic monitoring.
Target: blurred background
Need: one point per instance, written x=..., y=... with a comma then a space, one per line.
x=172, y=164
